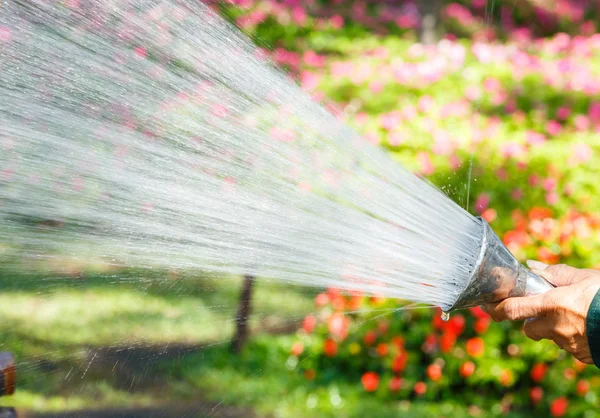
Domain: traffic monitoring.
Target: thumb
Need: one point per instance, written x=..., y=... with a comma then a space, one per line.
x=558, y=274
x=518, y=308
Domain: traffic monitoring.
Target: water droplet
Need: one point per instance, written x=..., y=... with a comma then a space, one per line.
x=445, y=316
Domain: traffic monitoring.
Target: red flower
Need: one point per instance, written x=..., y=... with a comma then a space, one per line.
x=400, y=362
x=447, y=341
x=398, y=342
x=583, y=387
x=370, y=338
x=434, y=372
x=467, y=369
x=558, y=407
x=382, y=349
x=395, y=384
x=516, y=238
x=370, y=381
x=475, y=347
x=309, y=323
x=536, y=394
x=482, y=324
x=569, y=374
x=420, y=388
x=478, y=312
x=538, y=371
x=330, y=348
x=456, y=325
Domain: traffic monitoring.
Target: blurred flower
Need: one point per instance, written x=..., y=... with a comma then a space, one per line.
x=538, y=371
x=395, y=384
x=434, y=372
x=475, y=347
x=482, y=202
x=580, y=153
x=559, y=406
x=370, y=381
x=330, y=348
x=309, y=323
x=467, y=369
x=536, y=394
x=420, y=388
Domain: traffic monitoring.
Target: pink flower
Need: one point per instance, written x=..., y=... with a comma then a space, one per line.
x=594, y=112
x=391, y=121
x=535, y=138
x=376, y=86
x=552, y=198
x=426, y=165
x=361, y=118
x=563, y=113
x=313, y=59
x=513, y=149
x=299, y=15
x=472, y=93
x=336, y=21
x=580, y=153
x=442, y=144
x=409, y=112
x=426, y=104
x=381, y=52
x=533, y=180
x=492, y=85
x=502, y=174
x=341, y=69
x=517, y=194
x=482, y=202
x=582, y=123
x=553, y=127
x=483, y=52
x=395, y=138
x=549, y=184
x=309, y=80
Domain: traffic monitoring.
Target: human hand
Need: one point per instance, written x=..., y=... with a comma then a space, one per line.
x=558, y=314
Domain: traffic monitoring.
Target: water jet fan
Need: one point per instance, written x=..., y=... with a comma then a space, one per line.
x=152, y=133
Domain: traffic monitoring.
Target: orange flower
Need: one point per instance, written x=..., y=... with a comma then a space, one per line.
x=475, y=347
x=540, y=213
x=382, y=349
x=547, y=256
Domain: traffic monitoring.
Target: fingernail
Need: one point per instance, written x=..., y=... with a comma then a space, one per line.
x=537, y=265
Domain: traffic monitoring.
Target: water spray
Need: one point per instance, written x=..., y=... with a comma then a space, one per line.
x=153, y=134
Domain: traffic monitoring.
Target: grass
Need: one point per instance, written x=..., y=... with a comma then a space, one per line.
x=60, y=329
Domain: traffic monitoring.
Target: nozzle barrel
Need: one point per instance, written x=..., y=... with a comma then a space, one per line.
x=498, y=275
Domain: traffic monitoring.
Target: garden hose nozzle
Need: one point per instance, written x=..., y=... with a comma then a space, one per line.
x=497, y=275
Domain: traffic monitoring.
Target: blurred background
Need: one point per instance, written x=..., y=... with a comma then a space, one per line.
x=495, y=102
